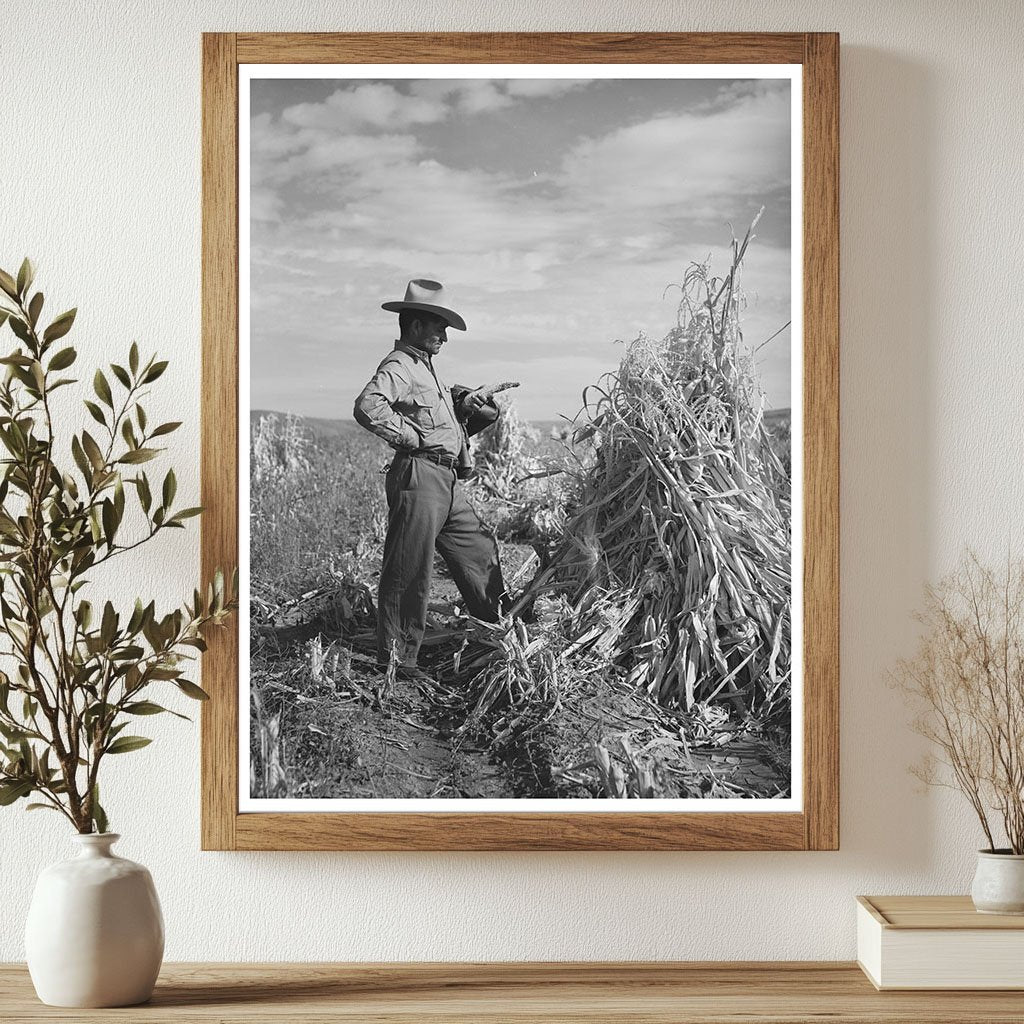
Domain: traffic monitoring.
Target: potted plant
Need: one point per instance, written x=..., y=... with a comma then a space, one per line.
x=967, y=680
x=83, y=671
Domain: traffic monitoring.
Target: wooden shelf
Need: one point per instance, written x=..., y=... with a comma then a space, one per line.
x=658, y=993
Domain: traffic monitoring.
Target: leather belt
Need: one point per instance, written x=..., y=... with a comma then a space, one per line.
x=448, y=461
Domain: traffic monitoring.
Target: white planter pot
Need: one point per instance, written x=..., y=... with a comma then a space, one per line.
x=999, y=883
x=95, y=934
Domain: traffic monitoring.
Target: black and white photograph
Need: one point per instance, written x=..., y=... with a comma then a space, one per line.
x=520, y=377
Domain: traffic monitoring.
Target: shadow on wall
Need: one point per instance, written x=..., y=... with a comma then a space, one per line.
x=887, y=324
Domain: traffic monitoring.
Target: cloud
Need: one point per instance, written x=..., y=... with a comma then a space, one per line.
x=533, y=87
x=729, y=93
x=693, y=163
x=430, y=206
x=336, y=155
x=485, y=95
x=371, y=104
x=265, y=205
x=270, y=139
x=465, y=96
x=548, y=269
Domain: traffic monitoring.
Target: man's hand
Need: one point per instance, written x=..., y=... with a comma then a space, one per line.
x=475, y=407
x=473, y=402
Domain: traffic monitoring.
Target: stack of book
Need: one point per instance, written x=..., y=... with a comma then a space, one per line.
x=938, y=942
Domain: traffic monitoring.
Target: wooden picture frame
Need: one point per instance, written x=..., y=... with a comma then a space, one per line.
x=816, y=826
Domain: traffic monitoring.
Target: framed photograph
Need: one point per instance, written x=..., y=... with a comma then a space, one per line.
x=520, y=421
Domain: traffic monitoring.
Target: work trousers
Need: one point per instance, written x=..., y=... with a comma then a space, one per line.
x=428, y=511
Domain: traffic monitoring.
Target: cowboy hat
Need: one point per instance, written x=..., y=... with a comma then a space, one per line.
x=428, y=296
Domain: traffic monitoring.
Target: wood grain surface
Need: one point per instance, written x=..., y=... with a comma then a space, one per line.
x=443, y=831
x=821, y=441
x=521, y=48
x=817, y=826
x=616, y=993
x=219, y=434
x=936, y=913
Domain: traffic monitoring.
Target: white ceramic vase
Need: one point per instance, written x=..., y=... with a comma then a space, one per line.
x=999, y=882
x=95, y=933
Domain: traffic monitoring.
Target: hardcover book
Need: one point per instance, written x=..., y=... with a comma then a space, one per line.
x=938, y=942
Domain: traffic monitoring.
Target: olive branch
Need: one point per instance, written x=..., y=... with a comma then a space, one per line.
x=80, y=674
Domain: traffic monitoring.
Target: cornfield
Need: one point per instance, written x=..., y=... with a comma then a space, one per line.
x=647, y=651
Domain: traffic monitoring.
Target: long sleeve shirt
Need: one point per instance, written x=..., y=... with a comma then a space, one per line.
x=408, y=407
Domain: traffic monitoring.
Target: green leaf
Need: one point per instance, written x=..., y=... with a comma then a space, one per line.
x=191, y=690
x=140, y=415
x=155, y=371
x=94, y=525
x=10, y=442
x=26, y=274
x=96, y=711
x=115, y=730
x=84, y=614
x=11, y=791
x=121, y=374
x=34, y=308
x=133, y=358
x=99, y=816
x=108, y=627
x=144, y=707
x=130, y=653
x=8, y=284
x=60, y=326
x=185, y=513
x=125, y=744
x=80, y=459
x=109, y=521
x=12, y=733
x=170, y=487
x=128, y=433
x=63, y=359
x=135, y=622
x=145, y=497
x=41, y=807
x=165, y=428
x=164, y=673
x=99, y=383
x=20, y=329
x=92, y=449
x=139, y=455
x=95, y=412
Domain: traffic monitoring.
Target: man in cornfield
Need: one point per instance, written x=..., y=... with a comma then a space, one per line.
x=428, y=425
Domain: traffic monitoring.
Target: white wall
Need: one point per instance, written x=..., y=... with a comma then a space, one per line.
x=100, y=183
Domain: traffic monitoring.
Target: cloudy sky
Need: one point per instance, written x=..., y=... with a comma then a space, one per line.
x=555, y=212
